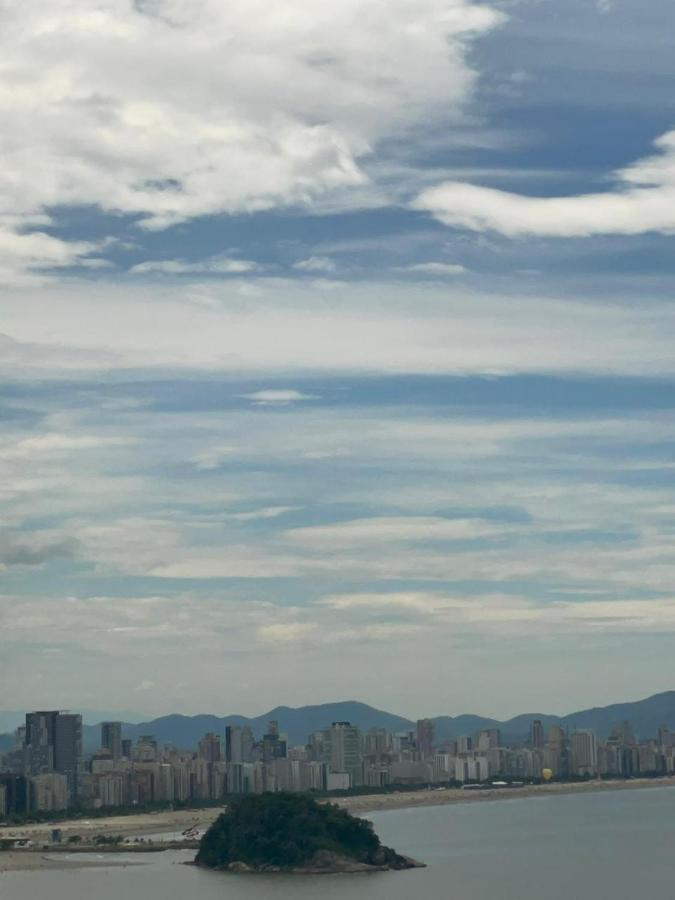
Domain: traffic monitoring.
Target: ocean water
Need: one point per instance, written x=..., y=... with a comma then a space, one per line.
x=578, y=847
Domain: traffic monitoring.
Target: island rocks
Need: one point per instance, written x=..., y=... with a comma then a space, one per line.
x=291, y=833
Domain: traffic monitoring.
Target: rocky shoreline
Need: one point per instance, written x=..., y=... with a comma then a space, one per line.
x=327, y=863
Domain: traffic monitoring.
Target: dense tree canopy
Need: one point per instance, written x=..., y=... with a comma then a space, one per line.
x=285, y=830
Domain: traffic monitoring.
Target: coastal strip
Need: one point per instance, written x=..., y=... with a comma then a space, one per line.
x=161, y=827
x=369, y=803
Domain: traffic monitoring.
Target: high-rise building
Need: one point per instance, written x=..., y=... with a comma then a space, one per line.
x=210, y=748
x=145, y=749
x=273, y=745
x=623, y=734
x=319, y=746
x=49, y=792
x=68, y=751
x=39, y=742
x=583, y=746
x=425, y=738
x=537, y=734
x=17, y=794
x=666, y=738
x=111, y=738
x=53, y=743
x=238, y=744
x=464, y=744
x=346, y=754
x=377, y=742
x=487, y=739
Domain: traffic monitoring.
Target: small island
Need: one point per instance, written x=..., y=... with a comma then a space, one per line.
x=293, y=833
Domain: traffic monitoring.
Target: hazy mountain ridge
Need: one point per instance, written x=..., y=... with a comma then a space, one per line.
x=11, y=719
x=184, y=732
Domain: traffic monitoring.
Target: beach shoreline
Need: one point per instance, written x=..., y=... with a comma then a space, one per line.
x=448, y=796
x=173, y=821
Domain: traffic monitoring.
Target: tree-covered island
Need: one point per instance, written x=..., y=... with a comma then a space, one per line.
x=293, y=833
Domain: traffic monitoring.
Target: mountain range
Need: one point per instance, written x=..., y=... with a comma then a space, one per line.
x=646, y=716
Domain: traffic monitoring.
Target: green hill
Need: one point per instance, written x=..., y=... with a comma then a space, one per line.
x=281, y=832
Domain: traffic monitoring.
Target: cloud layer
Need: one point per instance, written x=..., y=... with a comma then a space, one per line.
x=280, y=326
x=643, y=201
x=168, y=109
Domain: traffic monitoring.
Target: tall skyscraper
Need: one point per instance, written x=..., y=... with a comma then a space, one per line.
x=273, y=746
x=488, y=739
x=464, y=744
x=425, y=738
x=238, y=744
x=537, y=734
x=210, y=748
x=624, y=734
x=378, y=742
x=39, y=742
x=16, y=793
x=557, y=755
x=53, y=743
x=345, y=748
x=68, y=751
x=584, y=749
x=273, y=727
x=111, y=738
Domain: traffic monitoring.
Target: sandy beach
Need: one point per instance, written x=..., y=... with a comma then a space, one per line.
x=165, y=822
x=113, y=826
x=441, y=797
x=34, y=860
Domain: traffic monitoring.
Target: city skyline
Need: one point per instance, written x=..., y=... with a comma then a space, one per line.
x=337, y=354
x=650, y=713
x=48, y=770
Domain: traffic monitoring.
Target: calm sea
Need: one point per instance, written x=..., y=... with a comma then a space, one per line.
x=594, y=847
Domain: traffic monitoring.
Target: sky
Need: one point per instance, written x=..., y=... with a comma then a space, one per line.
x=337, y=354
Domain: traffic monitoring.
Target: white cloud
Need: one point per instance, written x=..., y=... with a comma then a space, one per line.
x=485, y=614
x=643, y=201
x=57, y=444
x=276, y=397
x=435, y=268
x=377, y=327
x=214, y=265
x=213, y=457
x=316, y=264
x=173, y=109
x=415, y=602
x=269, y=512
x=286, y=632
x=25, y=257
x=395, y=529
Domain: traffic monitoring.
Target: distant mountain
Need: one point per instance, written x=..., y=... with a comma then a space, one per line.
x=646, y=716
x=184, y=732
x=447, y=728
x=11, y=719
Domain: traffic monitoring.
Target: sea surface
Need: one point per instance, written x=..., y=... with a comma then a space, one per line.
x=576, y=847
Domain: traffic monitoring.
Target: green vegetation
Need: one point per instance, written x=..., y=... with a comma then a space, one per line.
x=282, y=831
x=108, y=839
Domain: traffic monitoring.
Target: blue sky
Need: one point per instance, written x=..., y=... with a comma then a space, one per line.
x=336, y=350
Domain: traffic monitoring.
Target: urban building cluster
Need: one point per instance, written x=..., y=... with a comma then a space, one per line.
x=48, y=771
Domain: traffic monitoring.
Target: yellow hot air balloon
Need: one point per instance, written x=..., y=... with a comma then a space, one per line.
x=546, y=774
